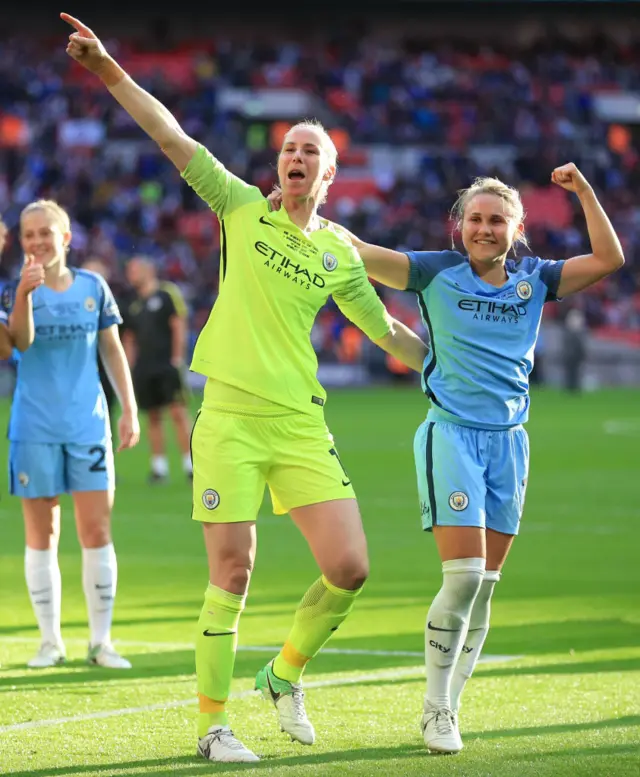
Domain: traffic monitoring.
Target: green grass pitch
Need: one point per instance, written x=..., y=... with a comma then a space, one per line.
x=567, y=609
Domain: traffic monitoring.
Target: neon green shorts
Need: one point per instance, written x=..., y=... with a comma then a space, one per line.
x=235, y=454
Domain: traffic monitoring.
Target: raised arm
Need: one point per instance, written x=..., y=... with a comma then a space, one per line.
x=606, y=255
x=150, y=114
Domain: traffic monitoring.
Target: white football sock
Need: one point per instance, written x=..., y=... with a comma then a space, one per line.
x=447, y=622
x=160, y=466
x=99, y=579
x=44, y=583
x=475, y=637
x=187, y=466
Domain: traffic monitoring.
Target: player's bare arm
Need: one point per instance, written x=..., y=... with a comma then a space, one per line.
x=130, y=348
x=606, y=255
x=382, y=264
x=6, y=343
x=404, y=344
x=21, y=326
x=150, y=114
x=117, y=368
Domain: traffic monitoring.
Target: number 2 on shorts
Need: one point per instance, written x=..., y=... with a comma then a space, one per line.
x=98, y=465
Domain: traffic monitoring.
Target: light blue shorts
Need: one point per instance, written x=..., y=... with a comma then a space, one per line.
x=471, y=477
x=46, y=470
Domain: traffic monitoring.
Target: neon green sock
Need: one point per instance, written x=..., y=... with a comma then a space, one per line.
x=321, y=611
x=216, y=645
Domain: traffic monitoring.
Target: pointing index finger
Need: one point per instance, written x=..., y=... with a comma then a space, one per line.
x=77, y=24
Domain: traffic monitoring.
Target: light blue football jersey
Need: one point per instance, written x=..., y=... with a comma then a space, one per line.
x=482, y=337
x=58, y=396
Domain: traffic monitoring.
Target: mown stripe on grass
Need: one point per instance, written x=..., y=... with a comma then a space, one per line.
x=410, y=671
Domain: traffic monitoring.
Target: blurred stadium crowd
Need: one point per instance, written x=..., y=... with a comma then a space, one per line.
x=414, y=122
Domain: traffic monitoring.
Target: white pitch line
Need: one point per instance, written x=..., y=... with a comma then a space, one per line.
x=96, y=715
x=259, y=648
x=245, y=648
x=629, y=427
x=385, y=674
x=413, y=671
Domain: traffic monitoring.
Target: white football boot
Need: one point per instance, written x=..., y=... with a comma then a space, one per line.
x=48, y=655
x=220, y=744
x=106, y=656
x=440, y=730
x=288, y=699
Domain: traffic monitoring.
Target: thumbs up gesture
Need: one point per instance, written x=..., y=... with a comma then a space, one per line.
x=31, y=277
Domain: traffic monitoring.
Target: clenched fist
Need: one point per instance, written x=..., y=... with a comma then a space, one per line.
x=570, y=178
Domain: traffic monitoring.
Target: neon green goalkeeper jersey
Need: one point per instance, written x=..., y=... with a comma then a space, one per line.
x=274, y=279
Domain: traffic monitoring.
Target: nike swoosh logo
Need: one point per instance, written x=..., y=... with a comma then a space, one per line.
x=268, y=223
x=41, y=591
x=103, y=587
x=207, y=633
x=274, y=694
x=346, y=482
x=435, y=628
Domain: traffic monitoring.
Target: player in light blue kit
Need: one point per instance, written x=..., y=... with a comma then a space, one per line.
x=59, y=431
x=483, y=313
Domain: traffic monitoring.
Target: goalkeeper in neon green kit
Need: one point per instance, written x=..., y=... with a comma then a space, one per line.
x=262, y=417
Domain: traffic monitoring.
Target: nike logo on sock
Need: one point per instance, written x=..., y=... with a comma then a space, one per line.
x=102, y=587
x=207, y=633
x=41, y=591
x=435, y=628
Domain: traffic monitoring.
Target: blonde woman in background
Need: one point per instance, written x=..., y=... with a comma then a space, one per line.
x=59, y=431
